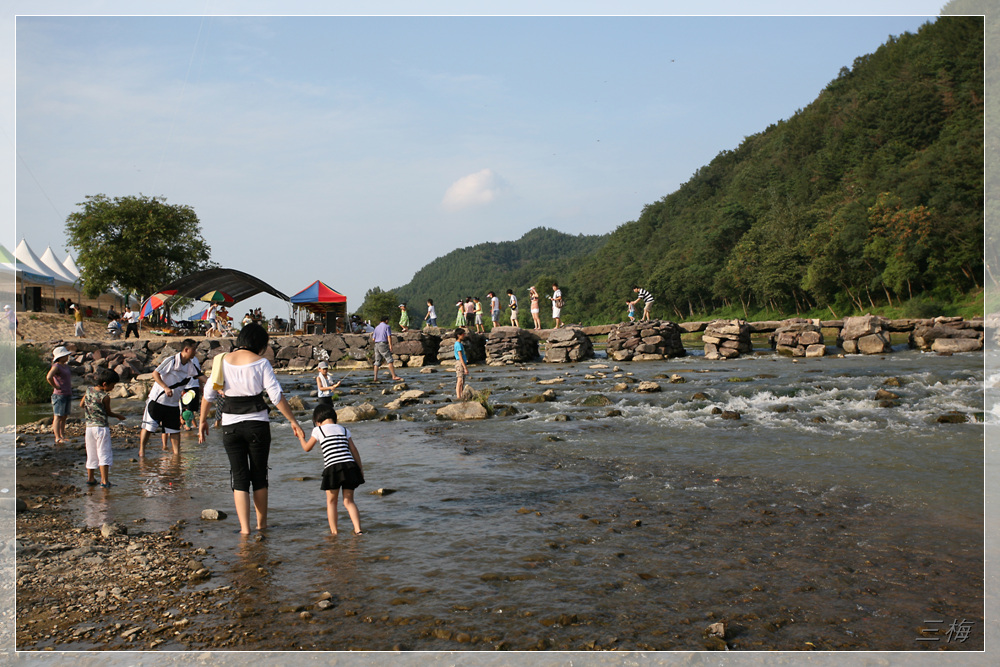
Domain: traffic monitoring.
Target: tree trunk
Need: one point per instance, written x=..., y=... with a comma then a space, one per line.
x=886, y=290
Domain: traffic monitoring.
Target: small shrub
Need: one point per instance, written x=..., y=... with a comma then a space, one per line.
x=483, y=398
x=31, y=371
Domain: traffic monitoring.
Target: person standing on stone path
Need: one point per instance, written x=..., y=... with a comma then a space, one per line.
x=382, y=337
x=460, y=317
x=242, y=377
x=431, y=317
x=533, y=294
x=645, y=296
x=404, y=318
x=557, y=305
x=479, y=314
x=470, y=312
x=513, y=308
x=494, y=309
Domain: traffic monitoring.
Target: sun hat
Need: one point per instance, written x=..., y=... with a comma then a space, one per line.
x=322, y=364
x=60, y=352
x=6, y=307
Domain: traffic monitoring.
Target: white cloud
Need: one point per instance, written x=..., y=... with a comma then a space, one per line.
x=478, y=189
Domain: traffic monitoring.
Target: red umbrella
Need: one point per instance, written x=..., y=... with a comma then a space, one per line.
x=155, y=301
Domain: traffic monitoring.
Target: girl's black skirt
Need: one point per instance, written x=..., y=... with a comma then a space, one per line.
x=342, y=476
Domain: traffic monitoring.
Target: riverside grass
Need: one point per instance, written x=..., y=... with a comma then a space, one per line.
x=32, y=387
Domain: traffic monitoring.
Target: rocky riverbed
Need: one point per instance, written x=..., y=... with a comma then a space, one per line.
x=116, y=586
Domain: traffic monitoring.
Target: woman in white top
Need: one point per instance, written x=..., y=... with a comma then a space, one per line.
x=246, y=432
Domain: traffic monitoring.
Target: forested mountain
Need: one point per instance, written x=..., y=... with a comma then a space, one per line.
x=540, y=254
x=872, y=193
x=870, y=196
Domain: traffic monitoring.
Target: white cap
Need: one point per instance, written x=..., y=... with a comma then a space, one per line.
x=60, y=351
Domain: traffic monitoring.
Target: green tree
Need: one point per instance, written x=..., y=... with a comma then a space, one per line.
x=139, y=243
x=378, y=304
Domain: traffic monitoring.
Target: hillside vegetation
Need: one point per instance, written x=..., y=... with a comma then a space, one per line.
x=869, y=198
x=541, y=254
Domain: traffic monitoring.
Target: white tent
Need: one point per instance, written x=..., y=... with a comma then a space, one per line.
x=55, y=267
x=71, y=266
x=34, y=264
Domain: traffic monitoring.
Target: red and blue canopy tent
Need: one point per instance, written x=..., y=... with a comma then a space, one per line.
x=323, y=300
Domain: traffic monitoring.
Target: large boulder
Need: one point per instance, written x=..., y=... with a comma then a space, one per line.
x=957, y=345
x=465, y=411
x=865, y=334
x=356, y=413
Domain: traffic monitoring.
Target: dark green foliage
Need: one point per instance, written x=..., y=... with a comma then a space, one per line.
x=540, y=257
x=378, y=304
x=139, y=243
x=32, y=386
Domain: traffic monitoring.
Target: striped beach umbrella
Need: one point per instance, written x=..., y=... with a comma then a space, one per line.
x=155, y=301
x=215, y=296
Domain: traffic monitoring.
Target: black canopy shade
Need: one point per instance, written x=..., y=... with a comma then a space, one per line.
x=235, y=283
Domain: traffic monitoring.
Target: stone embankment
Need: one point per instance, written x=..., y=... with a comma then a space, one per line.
x=134, y=360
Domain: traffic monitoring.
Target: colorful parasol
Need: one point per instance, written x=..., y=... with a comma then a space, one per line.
x=203, y=315
x=215, y=296
x=155, y=301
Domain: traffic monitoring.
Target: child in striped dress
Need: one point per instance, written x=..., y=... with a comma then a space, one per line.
x=341, y=464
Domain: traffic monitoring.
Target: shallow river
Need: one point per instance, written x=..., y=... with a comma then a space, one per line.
x=819, y=519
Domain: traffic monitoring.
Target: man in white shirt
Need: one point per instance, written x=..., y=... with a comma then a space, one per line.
x=163, y=404
x=131, y=319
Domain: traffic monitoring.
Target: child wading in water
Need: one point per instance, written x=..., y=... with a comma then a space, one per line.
x=341, y=464
x=96, y=406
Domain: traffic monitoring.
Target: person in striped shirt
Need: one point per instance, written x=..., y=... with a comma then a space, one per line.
x=341, y=464
x=644, y=295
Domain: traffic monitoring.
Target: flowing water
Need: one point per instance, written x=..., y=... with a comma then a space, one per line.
x=819, y=519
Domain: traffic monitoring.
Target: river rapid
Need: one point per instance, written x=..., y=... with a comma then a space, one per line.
x=822, y=518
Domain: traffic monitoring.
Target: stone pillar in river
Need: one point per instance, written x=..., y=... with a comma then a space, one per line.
x=568, y=344
x=799, y=338
x=475, y=347
x=510, y=345
x=645, y=341
x=727, y=339
x=866, y=334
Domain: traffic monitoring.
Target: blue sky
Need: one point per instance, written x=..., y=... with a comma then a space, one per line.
x=358, y=149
